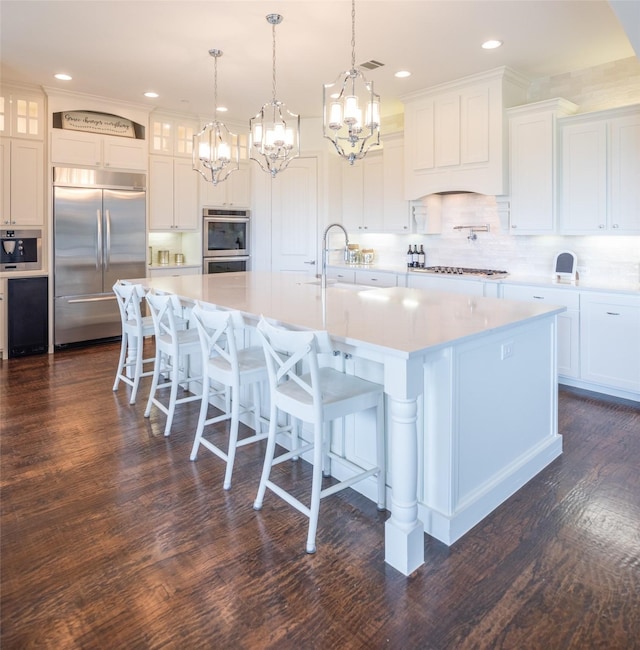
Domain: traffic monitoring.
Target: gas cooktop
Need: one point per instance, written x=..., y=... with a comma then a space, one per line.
x=460, y=270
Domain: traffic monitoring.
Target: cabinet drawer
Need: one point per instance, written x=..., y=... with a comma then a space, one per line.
x=342, y=275
x=376, y=279
x=566, y=297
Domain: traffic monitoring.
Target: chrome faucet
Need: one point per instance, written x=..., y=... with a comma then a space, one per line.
x=325, y=250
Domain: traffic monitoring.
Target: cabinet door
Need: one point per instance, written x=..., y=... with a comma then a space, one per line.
x=124, y=153
x=532, y=187
x=161, y=193
x=373, y=193
x=239, y=189
x=624, y=169
x=447, y=130
x=609, y=340
x=352, y=206
x=474, y=125
x=74, y=147
x=5, y=180
x=27, y=183
x=185, y=195
x=395, y=213
x=584, y=178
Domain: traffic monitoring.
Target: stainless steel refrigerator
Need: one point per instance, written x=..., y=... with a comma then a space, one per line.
x=99, y=237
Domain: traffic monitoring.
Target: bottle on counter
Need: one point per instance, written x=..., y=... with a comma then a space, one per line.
x=422, y=258
x=409, y=257
x=415, y=256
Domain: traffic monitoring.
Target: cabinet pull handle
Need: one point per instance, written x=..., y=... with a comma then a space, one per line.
x=613, y=313
x=539, y=297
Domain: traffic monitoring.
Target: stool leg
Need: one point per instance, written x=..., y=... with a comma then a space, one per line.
x=138, y=370
x=268, y=458
x=233, y=435
x=154, y=382
x=316, y=486
x=204, y=405
x=123, y=351
x=175, y=380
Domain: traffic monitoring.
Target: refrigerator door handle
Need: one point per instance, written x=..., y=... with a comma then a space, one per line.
x=99, y=240
x=107, y=257
x=73, y=301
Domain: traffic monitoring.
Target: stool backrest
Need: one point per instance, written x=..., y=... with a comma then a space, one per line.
x=217, y=336
x=128, y=297
x=164, y=310
x=293, y=356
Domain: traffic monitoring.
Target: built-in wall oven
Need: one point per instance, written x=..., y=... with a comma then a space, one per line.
x=225, y=240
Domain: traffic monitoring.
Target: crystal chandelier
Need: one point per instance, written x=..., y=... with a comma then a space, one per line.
x=216, y=151
x=343, y=102
x=274, y=131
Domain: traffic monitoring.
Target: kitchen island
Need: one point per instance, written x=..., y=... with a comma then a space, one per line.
x=470, y=386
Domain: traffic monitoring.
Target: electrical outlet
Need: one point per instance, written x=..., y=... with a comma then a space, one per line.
x=506, y=350
x=582, y=271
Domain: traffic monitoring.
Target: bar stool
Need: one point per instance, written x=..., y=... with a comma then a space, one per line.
x=134, y=328
x=174, y=346
x=227, y=366
x=317, y=395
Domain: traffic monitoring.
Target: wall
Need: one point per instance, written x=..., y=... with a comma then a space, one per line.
x=599, y=257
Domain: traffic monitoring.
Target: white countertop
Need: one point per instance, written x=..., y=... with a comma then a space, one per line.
x=403, y=320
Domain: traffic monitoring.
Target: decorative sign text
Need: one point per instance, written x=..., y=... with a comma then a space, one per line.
x=103, y=123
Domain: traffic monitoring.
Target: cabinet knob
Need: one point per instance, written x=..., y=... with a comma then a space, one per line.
x=513, y=225
x=615, y=225
x=601, y=226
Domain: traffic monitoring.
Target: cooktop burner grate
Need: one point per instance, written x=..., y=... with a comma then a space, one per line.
x=461, y=270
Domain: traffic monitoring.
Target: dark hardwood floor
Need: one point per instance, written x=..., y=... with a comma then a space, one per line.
x=112, y=538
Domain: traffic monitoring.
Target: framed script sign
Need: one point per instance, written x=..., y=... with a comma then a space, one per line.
x=102, y=123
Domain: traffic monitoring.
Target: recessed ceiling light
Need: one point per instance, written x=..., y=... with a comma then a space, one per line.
x=222, y=109
x=491, y=45
x=151, y=95
x=401, y=74
x=63, y=77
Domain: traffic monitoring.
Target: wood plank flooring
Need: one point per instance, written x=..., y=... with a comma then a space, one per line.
x=112, y=538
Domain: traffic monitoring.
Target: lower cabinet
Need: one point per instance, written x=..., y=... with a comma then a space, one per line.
x=610, y=340
x=452, y=285
x=160, y=272
x=568, y=321
x=376, y=278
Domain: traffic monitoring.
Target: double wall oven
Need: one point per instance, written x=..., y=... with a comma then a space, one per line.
x=225, y=240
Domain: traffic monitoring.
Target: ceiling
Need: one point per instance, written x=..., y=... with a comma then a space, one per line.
x=122, y=48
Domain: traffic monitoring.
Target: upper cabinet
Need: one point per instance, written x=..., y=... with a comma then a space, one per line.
x=22, y=182
x=101, y=151
x=396, y=214
x=171, y=135
x=456, y=134
x=21, y=113
x=173, y=194
x=235, y=192
x=532, y=165
x=600, y=183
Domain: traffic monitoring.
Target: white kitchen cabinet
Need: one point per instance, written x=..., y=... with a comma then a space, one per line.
x=341, y=275
x=444, y=283
x=235, y=192
x=568, y=322
x=610, y=340
x=171, y=135
x=532, y=165
x=100, y=151
x=21, y=113
x=173, y=194
x=600, y=186
x=456, y=136
x=159, y=271
x=363, y=194
x=22, y=177
x=395, y=212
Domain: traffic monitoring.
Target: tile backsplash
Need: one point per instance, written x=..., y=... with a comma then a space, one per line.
x=600, y=257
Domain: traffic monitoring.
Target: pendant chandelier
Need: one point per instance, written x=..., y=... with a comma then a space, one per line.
x=216, y=151
x=351, y=131
x=274, y=133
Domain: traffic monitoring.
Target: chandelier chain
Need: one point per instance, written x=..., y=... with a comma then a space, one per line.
x=273, y=28
x=353, y=34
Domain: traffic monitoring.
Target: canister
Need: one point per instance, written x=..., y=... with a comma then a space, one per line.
x=353, y=254
x=163, y=257
x=178, y=259
x=367, y=255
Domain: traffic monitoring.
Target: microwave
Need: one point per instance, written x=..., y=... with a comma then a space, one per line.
x=225, y=233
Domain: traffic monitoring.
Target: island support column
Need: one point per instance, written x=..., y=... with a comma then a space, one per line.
x=404, y=532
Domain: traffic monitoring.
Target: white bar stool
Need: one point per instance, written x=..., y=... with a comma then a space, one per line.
x=134, y=328
x=311, y=393
x=232, y=367
x=173, y=348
